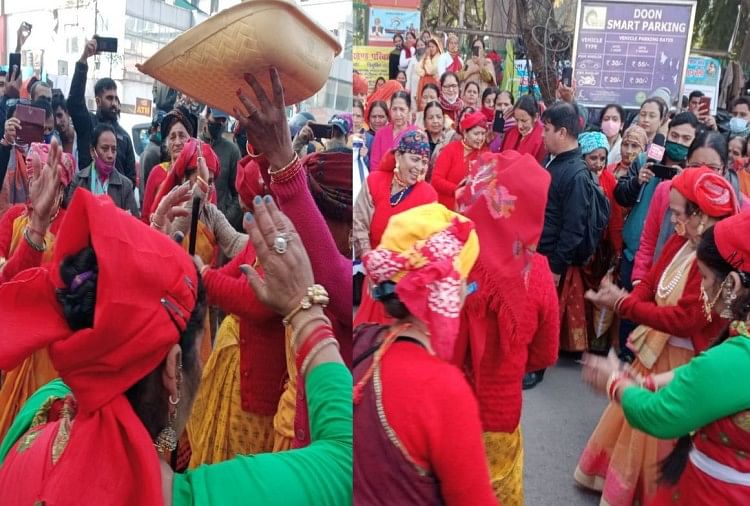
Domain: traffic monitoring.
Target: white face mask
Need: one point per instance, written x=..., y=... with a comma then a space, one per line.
x=737, y=125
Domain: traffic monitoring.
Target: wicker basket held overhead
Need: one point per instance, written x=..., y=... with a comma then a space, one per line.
x=208, y=61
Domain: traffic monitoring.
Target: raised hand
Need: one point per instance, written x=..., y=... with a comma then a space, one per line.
x=266, y=125
x=45, y=187
x=287, y=275
x=88, y=51
x=172, y=205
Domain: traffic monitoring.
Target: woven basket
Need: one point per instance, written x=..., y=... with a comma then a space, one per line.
x=208, y=61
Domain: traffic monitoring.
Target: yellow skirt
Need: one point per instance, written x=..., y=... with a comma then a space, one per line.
x=219, y=428
x=283, y=422
x=20, y=383
x=505, y=457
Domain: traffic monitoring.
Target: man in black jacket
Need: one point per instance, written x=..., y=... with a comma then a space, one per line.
x=568, y=200
x=107, y=107
x=568, y=203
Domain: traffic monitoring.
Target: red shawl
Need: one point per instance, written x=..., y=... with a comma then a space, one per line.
x=531, y=144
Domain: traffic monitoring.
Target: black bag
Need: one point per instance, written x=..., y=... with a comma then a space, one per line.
x=598, y=214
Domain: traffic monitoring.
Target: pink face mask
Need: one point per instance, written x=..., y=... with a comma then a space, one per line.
x=610, y=128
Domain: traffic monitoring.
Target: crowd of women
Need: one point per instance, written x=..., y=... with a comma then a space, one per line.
x=458, y=305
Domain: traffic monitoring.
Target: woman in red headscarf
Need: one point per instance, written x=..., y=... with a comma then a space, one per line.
x=27, y=239
x=396, y=186
x=706, y=403
x=618, y=461
x=452, y=165
x=510, y=324
x=104, y=435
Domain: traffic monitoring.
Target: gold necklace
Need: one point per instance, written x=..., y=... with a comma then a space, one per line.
x=663, y=290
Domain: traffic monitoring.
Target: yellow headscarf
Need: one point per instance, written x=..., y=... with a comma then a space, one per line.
x=427, y=251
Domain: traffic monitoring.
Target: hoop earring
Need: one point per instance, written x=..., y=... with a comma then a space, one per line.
x=166, y=441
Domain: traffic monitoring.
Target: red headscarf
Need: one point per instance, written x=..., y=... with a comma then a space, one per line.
x=359, y=85
x=505, y=196
x=146, y=291
x=384, y=93
x=472, y=120
x=249, y=181
x=731, y=240
x=712, y=193
x=188, y=159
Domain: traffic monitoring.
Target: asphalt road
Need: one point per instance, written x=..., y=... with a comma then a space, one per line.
x=559, y=415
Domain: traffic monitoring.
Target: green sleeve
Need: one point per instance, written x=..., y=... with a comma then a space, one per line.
x=320, y=474
x=709, y=387
x=55, y=388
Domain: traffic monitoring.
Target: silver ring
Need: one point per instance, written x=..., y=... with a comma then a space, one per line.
x=281, y=242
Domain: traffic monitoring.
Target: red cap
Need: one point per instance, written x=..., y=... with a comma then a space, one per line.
x=472, y=120
x=731, y=235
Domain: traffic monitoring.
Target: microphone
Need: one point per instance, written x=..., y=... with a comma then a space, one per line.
x=655, y=154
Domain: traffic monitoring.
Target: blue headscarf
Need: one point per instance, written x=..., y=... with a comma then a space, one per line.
x=591, y=141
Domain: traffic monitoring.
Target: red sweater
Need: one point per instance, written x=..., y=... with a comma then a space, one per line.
x=24, y=256
x=531, y=144
x=686, y=319
x=507, y=329
x=433, y=412
x=262, y=351
x=451, y=167
x=616, y=220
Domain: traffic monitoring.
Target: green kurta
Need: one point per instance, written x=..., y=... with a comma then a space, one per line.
x=320, y=474
x=713, y=385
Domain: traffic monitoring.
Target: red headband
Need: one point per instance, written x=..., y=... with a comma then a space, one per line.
x=730, y=235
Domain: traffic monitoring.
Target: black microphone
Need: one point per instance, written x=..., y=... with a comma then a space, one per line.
x=655, y=154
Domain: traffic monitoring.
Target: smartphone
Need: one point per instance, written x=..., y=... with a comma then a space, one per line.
x=663, y=171
x=498, y=125
x=321, y=130
x=13, y=59
x=106, y=44
x=475, y=50
x=567, y=77
x=705, y=103
x=32, y=124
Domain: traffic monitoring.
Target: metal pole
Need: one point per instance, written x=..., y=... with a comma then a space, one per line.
x=461, y=12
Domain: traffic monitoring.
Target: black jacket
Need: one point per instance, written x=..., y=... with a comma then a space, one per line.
x=85, y=122
x=628, y=187
x=568, y=204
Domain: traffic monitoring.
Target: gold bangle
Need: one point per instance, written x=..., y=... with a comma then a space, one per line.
x=316, y=349
x=316, y=295
x=295, y=159
x=37, y=247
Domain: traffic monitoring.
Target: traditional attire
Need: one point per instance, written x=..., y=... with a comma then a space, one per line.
x=709, y=398
x=385, y=141
x=619, y=461
x=57, y=457
x=20, y=382
x=421, y=444
x=453, y=163
x=376, y=205
x=427, y=69
x=510, y=325
x=584, y=326
x=531, y=143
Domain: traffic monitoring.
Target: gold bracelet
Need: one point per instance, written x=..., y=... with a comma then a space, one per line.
x=276, y=172
x=316, y=295
x=40, y=248
x=316, y=349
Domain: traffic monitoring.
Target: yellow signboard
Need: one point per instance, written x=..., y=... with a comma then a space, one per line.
x=371, y=62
